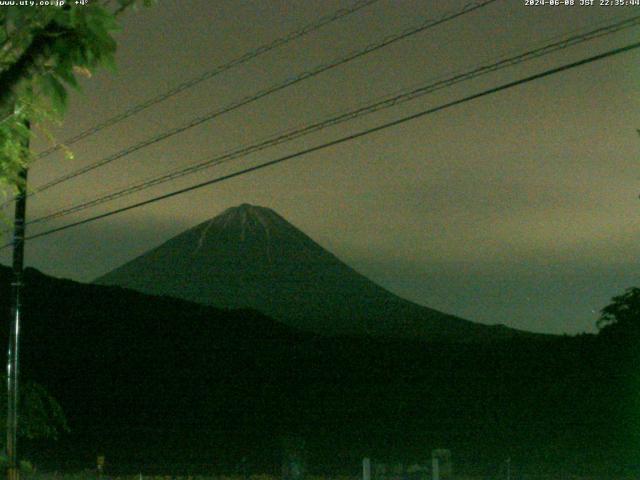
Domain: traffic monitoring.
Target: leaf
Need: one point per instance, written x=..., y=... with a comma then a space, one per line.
x=85, y=72
x=55, y=91
x=68, y=77
x=22, y=130
x=11, y=14
x=63, y=18
x=59, y=98
x=74, y=16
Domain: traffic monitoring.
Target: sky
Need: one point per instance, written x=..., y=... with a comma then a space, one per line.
x=518, y=208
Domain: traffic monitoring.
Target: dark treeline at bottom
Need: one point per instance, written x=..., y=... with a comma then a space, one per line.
x=163, y=386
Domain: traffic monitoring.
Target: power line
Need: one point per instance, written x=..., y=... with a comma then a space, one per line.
x=425, y=25
x=344, y=139
x=261, y=50
x=389, y=102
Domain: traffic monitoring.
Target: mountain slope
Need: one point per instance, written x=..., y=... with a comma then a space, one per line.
x=250, y=257
x=161, y=385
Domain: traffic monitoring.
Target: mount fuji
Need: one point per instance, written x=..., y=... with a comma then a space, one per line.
x=251, y=257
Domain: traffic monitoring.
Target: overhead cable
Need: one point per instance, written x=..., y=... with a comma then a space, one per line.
x=341, y=140
x=423, y=26
x=347, y=116
x=217, y=70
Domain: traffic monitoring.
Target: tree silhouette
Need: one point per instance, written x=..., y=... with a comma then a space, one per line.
x=41, y=415
x=41, y=52
x=622, y=315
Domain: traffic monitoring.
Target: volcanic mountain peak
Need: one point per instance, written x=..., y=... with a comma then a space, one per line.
x=246, y=210
x=244, y=223
x=247, y=214
x=251, y=257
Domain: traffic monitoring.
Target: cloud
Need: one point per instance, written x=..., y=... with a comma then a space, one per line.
x=85, y=252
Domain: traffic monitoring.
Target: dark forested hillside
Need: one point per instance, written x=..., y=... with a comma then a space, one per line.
x=159, y=383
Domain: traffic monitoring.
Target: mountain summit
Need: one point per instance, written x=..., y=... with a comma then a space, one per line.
x=251, y=257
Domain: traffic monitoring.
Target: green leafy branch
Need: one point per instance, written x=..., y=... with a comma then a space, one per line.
x=42, y=52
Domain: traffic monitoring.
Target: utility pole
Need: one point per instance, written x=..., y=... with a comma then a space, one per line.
x=16, y=304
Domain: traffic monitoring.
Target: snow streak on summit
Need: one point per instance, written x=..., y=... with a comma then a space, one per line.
x=251, y=257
